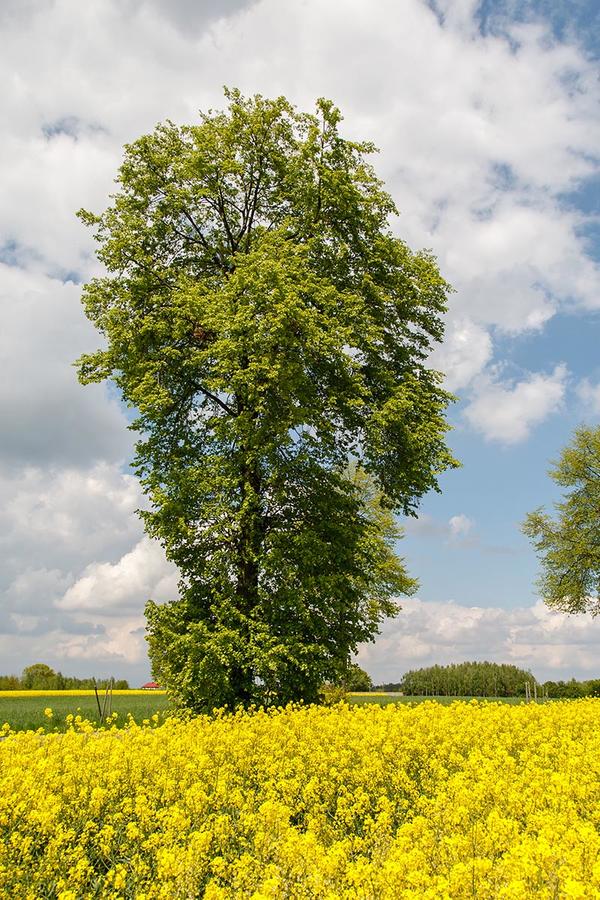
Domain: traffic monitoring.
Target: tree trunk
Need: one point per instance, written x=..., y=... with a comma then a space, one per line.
x=251, y=537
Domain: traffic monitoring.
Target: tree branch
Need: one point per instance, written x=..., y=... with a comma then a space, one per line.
x=210, y=396
x=225, y=220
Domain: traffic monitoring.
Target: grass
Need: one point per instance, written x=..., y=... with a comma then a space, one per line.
x=27, y=713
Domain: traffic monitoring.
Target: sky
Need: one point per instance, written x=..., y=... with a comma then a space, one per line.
x=487, y=119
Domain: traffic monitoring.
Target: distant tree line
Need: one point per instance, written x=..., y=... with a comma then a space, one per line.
x=486, y=679
x=40, y=677
x=468, y=679
x=573, y=688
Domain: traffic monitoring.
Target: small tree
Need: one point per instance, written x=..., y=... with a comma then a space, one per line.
x=568, y=545
x=267, y=325
x=38, y=677
x=356, y=679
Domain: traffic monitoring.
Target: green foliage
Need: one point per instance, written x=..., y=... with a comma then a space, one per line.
x=38, y=677
x=468, y=679
x=572, y=689
x=569, y=544
x=267, y=326
x=351, y=679
x=356, y=679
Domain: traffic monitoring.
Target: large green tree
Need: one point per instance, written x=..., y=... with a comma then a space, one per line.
x=568, y=544
x=267, y=326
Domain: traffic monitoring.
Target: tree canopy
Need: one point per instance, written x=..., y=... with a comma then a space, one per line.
x=568, y=545
x=267, y=326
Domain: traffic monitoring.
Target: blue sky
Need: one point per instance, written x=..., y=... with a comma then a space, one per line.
x=487, y=119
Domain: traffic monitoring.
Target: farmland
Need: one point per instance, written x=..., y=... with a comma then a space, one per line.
x=24, y=710
x=470, y=799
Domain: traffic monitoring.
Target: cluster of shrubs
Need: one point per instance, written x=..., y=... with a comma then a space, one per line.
x=40, y=677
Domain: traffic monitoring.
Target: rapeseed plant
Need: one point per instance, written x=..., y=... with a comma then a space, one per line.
x=470, y=800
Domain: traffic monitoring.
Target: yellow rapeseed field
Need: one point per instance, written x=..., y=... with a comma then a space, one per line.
x=472, y=800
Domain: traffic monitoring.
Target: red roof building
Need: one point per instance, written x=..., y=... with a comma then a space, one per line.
x=151, y=686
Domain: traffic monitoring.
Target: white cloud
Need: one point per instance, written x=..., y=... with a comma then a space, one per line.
x=507, y=412
x=466, y=350
x=76, y=571
x=460, y=525
x=456, y=529
x=90, y=624
x=551, y=644
x=114, y=648
x=111, y=588
x=589, y=394
x=61, y=519
x=189, y=15
x=120, y=644
x=518, y=262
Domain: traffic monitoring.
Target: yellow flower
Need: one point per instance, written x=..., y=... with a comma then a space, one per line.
x=424, y=801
